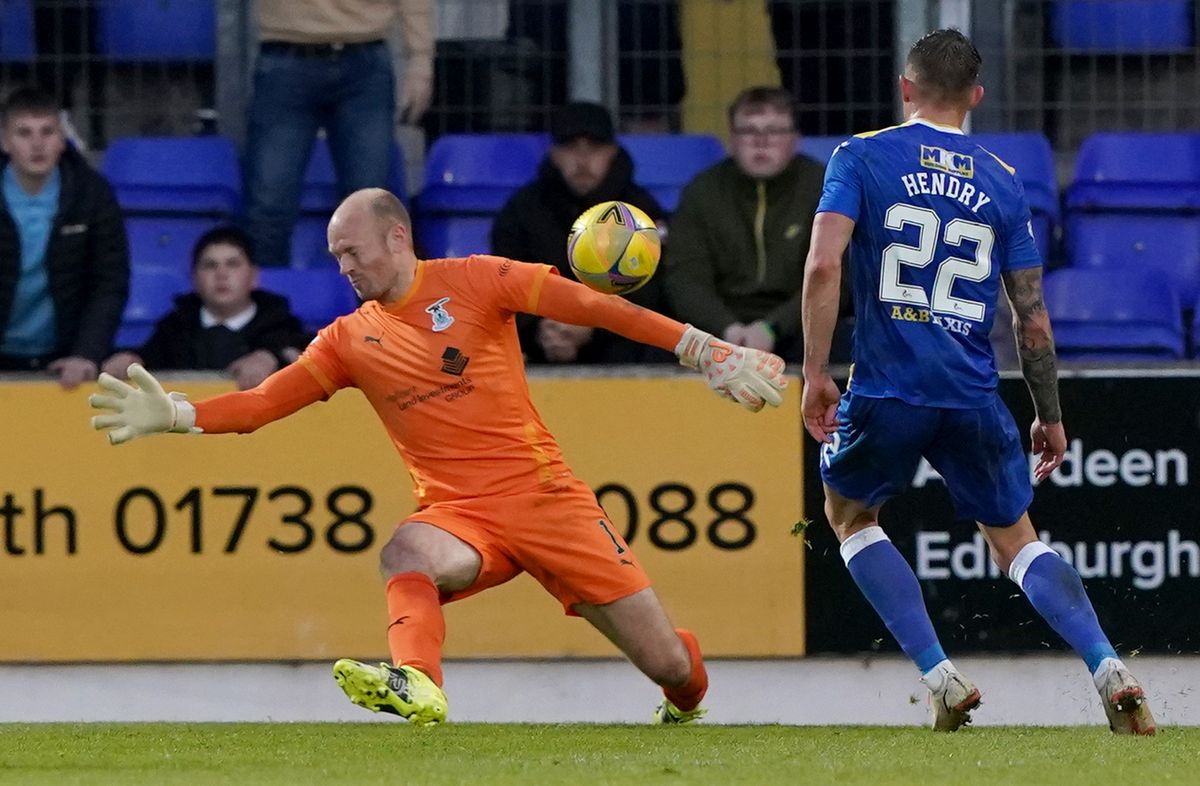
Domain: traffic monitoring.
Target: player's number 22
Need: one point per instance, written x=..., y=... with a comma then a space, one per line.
x=941, y=301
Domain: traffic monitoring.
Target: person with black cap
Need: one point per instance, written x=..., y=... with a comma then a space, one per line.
x=585, y=166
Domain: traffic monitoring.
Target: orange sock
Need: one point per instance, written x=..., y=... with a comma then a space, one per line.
x=416, y=627
x=688, y=696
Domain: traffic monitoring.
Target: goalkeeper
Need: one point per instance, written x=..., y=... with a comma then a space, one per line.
x=434, y=349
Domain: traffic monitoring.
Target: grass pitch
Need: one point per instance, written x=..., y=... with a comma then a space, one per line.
x=476, y=754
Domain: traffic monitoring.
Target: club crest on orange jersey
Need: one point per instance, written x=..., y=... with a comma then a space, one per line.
x=441, y=317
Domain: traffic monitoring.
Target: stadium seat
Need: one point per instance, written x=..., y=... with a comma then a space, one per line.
x=1120, y=243
x=1030, y=154
x=468, y=178
x=164, y=240
x=317, y=296
x=152, y=291
x=16, y=31
x=1142, y=171
x=310, y=244
x=139, y=30
x=197, y=175
x=1116, y=26
x=819, y=148
x=664, y=163
x=477, y=173
x=455, y=236
x=1098, y=316
x=321, y=193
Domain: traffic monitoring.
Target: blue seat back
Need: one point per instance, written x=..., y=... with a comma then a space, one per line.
x=138, y=30
x=175, y=174
x=16, y=31
x=1096, y=314
x=320, y=192
x=310, y=244
x=1116, y=26
x=819, y=148
x=166, y=240
x=1126, y=243
x=1137, y=171
x=455, y=236
x=152, y=291
x=317, y=296
x=1030, y=154
x=664, y=163
x=477, y=173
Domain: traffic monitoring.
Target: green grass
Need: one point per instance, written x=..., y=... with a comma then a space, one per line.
x=399, y=755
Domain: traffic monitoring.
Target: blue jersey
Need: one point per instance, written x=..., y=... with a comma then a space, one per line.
x=937, y=220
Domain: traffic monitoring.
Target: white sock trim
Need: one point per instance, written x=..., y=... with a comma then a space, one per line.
x=1025, y=558
x=860, y=540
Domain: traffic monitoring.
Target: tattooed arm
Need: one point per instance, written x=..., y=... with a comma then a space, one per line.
x=1035, y=342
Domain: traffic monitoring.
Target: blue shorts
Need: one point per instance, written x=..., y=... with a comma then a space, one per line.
x=880, y=441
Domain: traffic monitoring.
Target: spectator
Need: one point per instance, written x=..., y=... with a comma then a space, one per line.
x=735, y=261
x=584, y=167
x=325, y=64
x=225, y=322
x=64, y=258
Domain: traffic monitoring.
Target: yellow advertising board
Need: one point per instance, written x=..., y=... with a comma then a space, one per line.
x=264, y=546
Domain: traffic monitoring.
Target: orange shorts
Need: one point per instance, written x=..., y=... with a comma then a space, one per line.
x=561, y=537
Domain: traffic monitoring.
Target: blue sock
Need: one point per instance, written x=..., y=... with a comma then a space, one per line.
x=890, y=585
x=1055, y=590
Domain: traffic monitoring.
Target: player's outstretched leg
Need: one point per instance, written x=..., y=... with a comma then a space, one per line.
x=890, y=585
x=399, y=690
x=671, y=657
x=410, y=686
x=682, y=704
x=1054, y=588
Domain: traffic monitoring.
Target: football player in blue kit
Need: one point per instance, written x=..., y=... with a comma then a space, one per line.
x=935, y=223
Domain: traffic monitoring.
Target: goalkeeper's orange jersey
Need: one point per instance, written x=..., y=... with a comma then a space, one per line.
x=443, y=369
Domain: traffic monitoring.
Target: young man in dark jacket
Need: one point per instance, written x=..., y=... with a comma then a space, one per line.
x=735, y=262
x=585, y=166
x=225, y=323
x=64, y=258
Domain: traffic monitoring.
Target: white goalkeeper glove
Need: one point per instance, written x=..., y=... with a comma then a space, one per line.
x=138, y=411
x=750, y=377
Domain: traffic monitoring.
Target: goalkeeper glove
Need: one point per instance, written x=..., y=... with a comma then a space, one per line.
x=138, y=411
x=750, y=377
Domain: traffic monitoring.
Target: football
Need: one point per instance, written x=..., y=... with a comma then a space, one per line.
x=614, y=248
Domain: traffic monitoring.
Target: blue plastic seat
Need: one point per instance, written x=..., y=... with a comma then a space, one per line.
x=819, y=148
x=1098, y=315
x=152, y=291
x=16, y=31
x=1138, y=171
x=317, y=296
x=1030, y=154
x=197, y=174
x=664, y=163
x=1121, y=243
x=320, y=192
x=1122, y=26
x=455, y=236
x=139, y=30
x=477, y=173
x=165, y=240
x=310, y=244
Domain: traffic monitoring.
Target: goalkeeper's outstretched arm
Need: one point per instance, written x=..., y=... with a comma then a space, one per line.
x=143, y=408
x=748, y=376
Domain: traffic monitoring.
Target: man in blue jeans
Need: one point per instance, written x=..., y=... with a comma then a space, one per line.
x=326, y=64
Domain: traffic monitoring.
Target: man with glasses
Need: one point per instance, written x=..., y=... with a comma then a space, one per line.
x=735, y=256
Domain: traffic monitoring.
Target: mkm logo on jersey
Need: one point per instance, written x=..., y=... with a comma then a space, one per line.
x=945, y=160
